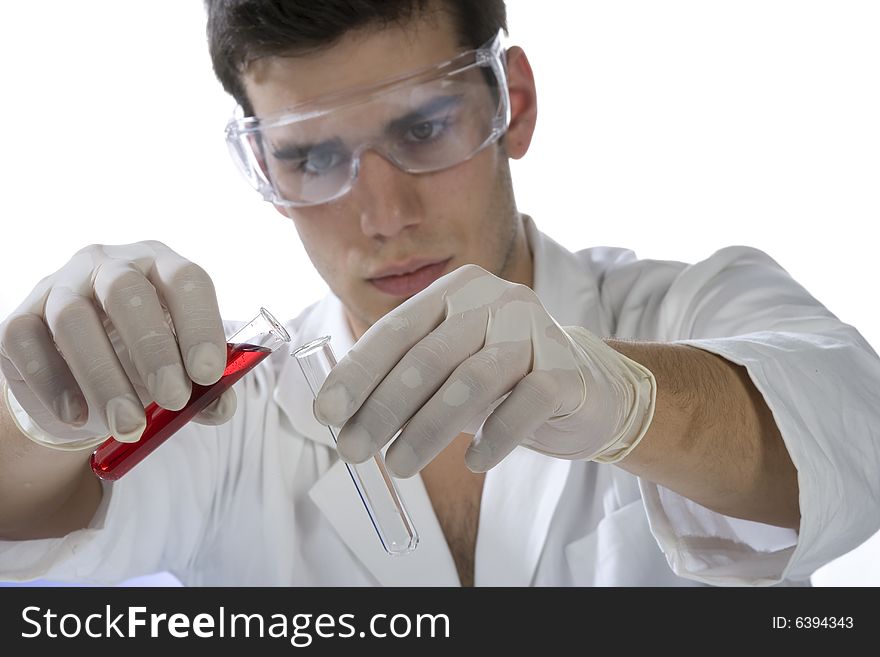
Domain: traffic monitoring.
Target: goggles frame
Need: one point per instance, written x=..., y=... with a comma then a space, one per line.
x=244, y=133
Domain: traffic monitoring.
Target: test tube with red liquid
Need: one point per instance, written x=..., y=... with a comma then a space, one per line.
x=245, y=349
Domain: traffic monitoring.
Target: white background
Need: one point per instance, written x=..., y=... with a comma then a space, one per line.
x=673, y=128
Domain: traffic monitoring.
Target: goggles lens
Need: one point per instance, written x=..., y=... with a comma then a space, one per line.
x=427, y=121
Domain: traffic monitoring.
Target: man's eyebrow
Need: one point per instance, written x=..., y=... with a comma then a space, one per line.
x=438, y=104
x=301, y=151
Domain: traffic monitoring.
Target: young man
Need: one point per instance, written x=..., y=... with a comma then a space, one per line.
x=731, y=441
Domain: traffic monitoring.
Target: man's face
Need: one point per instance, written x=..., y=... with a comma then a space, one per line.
x=421, y=226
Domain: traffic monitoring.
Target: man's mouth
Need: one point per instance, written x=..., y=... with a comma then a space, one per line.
x=409, y=278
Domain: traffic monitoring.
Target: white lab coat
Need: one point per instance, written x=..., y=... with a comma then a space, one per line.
x=263, y=500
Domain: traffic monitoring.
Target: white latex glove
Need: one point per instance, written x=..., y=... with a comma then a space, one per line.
x=92, y=345
x=447, y=355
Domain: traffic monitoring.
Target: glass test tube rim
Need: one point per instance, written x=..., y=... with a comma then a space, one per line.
x=269, y=317
x=311, y=347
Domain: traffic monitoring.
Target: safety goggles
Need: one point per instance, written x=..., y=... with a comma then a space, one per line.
x=425, y=121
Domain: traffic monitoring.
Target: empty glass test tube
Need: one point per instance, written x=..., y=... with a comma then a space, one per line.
x=245, y=349
x=374, y=485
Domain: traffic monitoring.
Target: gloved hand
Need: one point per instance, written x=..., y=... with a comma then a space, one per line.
x=92, y=345
x=447, y=355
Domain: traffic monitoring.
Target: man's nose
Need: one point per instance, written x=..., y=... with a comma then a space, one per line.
x=386, y=196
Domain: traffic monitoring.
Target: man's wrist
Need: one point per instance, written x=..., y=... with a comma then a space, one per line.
x=640, y=396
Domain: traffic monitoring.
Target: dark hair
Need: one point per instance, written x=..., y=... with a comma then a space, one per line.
x=240, y=31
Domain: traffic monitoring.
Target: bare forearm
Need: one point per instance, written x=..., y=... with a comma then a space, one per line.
x=713, y=438
x=43, y=492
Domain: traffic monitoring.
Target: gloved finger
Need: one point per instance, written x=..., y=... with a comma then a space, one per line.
x=31, y=357
x=373, y=356
x=471, y=388
x=412, y=382
x=188, y=293
x=38, y=418
x=79, y=334
x=532, y=402
x=220, y=410
x=133, y=307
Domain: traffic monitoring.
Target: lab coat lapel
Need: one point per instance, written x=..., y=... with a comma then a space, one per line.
x=519, y=498
x=334, y=493
x=521, y=494
x=430, y=564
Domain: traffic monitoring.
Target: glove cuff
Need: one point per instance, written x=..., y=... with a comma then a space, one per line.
x=32, y=430
x=638, y=378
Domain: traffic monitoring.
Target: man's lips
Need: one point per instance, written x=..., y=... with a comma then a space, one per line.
x=405, y=267
x=410, y=277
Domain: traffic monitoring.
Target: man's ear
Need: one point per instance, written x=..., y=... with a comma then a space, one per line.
x=523, y=103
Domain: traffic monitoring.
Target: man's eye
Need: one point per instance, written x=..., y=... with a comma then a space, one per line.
x=426, y=130
x=321, y=160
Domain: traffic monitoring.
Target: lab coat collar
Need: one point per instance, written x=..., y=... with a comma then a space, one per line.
x=565, y=285
x=520, y=495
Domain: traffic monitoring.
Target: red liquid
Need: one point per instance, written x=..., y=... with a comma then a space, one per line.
x=113, y=459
